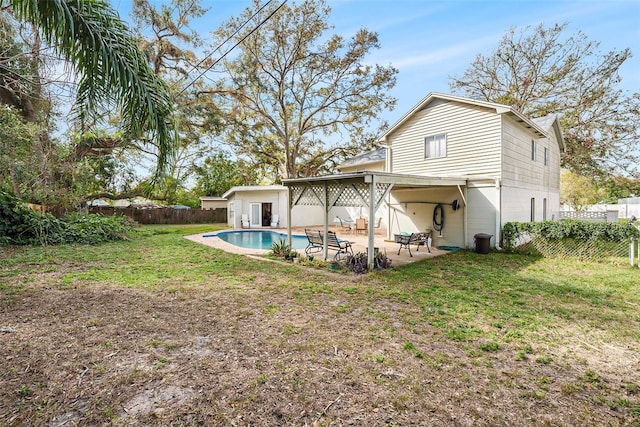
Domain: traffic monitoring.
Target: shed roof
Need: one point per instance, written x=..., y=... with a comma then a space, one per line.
x=244, y=188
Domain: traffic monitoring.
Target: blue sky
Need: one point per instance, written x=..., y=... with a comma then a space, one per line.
x=430, y=41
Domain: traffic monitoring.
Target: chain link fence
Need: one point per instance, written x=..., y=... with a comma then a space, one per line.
x=588, y=250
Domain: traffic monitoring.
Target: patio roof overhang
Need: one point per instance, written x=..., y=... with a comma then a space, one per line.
x=366, y=188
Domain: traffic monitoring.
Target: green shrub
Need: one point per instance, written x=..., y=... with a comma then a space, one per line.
x=358, y=263
x=20, y=225
x=281, y=249
x=615, y=232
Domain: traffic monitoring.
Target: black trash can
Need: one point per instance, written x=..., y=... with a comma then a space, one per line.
x=483, y=242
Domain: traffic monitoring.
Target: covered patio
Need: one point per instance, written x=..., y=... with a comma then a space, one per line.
x=361, y=189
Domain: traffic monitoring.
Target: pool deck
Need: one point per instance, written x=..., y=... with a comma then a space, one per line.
x=358, y=242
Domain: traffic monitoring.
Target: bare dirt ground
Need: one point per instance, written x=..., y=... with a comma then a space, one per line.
x=254, y=352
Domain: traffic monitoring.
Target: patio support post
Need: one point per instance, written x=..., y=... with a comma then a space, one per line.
x=372, y=220
x=326, y=220
x=289, y=207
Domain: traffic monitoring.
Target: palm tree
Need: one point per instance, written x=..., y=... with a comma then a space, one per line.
x=112, y=71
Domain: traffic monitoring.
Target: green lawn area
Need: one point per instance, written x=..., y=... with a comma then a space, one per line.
x=160, y=330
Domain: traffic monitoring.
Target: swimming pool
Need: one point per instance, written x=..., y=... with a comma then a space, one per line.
x=258, y=239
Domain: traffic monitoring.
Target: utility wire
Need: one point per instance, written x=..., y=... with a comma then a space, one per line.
x=235, y=45
x=193, y=68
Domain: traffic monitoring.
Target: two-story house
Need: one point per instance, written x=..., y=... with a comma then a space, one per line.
x=454, y=165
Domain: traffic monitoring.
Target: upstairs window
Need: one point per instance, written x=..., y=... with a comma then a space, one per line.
x=546, y=156
x=533, y=209
x=533, y=150
x=435, y=146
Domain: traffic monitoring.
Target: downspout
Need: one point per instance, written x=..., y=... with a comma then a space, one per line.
x=289, y=207
x=325, y=227
x=498, y=212
x=465, y=218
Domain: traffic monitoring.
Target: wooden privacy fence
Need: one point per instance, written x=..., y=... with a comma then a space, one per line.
x=165, y=215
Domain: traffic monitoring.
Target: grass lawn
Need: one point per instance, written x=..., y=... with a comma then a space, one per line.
x=159, y=330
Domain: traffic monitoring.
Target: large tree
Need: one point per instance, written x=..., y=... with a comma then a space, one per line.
x=171, y=47
x=543, y=71
x=297, y=99
x=220, y=172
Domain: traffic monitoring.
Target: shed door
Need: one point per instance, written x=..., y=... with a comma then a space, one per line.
x=256, y=215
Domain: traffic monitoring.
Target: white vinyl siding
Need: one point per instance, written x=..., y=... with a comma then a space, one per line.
x=517, y=150
x=516, y=203
x=481, y=215
x=473, y=141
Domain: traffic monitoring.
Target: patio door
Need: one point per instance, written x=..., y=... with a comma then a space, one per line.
x=255, y=217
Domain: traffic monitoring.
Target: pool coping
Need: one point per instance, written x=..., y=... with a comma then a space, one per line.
x=212, y=240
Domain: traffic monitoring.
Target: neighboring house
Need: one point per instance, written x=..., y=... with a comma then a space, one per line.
x=488, y=159
x=208, y=203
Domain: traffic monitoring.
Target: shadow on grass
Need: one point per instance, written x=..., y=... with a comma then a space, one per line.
x=499, y=294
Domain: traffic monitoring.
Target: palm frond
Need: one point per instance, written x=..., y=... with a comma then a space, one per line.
x=112, y=70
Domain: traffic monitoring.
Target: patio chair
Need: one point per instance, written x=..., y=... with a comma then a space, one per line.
x=361, y=225
x=244, y=221
x=344, y=224
x=339, y=245
x=379, y=222
x=275, y=220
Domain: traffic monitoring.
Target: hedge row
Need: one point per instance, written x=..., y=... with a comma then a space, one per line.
x=512, y=232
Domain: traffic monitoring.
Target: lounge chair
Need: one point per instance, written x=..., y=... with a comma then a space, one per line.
x=244, y=221
x=344, y=224
x=316, y=243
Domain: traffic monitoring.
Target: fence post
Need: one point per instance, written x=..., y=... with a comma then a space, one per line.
x=631, y=251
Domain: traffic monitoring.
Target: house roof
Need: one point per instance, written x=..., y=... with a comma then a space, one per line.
x=551, y=125
x=373, y=156
x=499, y=109
x=213, y=199
x=243, y=188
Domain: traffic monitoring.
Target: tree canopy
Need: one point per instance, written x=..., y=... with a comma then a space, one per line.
x=294, y=98
x=543, y=71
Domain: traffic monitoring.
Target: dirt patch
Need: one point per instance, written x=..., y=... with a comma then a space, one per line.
x=271, y=352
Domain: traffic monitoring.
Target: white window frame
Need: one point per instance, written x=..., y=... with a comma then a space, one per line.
x=435, y=146
x=255, y=214
x=546, y=156
x=533, y=209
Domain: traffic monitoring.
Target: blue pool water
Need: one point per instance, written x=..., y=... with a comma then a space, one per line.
x=259, y=239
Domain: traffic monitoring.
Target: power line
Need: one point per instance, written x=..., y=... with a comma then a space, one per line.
x=193, y=68
x=235, y=45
